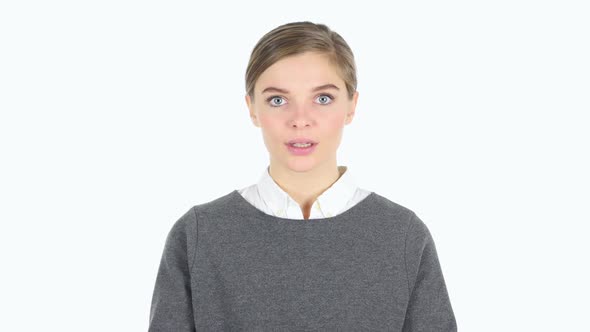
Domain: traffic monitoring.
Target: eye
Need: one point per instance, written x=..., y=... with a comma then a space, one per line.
x=325, y=99
x=274, y=98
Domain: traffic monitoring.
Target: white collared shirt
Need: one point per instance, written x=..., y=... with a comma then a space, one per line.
x=267, y=196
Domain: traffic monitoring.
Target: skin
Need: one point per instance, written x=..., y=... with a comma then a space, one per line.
x=302, y=113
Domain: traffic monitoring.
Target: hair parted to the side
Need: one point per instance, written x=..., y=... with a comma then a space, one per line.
x=299, y=37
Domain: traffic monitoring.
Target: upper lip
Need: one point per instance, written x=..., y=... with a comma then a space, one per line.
x=301, y=140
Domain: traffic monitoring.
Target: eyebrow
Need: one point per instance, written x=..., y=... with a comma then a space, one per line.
x=321, y=87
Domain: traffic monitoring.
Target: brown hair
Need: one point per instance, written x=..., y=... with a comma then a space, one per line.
x=299, y=37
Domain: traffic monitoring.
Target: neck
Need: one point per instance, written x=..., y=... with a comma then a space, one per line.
x=304, y=187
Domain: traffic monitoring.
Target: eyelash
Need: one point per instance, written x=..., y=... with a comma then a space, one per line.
x=324, y=94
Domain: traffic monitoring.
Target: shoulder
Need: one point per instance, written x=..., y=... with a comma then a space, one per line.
x=401, y=218
x=188, y=220
x=184, y=231
x=215, y=210
x=216, y=206
x=392, y=210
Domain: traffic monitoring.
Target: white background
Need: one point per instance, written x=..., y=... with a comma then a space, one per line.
x=118, y=116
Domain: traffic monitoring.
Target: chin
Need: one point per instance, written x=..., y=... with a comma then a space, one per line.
x=301, y=165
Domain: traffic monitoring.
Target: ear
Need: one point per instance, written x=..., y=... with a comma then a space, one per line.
x=253, y=116
x=352, y=109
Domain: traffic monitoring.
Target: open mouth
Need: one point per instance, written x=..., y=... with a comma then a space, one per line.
x=301, y=148
x=302, y=145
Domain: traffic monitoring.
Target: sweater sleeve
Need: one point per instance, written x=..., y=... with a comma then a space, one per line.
x=429, y=307
x=171, y=307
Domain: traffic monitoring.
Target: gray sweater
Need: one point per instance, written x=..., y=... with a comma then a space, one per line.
x=228, y=266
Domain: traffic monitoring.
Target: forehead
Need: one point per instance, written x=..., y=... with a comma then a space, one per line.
x=300, y=72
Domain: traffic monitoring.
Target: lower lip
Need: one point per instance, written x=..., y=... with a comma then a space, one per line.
x=301, y=151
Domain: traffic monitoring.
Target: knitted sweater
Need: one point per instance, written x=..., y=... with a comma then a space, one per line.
x=226, y=265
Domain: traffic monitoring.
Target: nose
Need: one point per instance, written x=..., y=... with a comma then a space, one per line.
x=301, y=116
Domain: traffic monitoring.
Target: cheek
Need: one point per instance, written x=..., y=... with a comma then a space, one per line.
x=331, y=131
x=334, y=124
x=271, y=128
x=266, y=121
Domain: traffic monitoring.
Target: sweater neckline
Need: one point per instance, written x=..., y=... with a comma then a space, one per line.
x=248, y=206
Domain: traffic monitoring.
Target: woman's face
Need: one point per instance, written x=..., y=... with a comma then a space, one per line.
x=290, y=103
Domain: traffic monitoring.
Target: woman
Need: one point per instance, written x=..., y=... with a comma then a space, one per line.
x=304, y=248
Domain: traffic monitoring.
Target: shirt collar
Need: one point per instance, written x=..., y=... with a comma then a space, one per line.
x=329, y=203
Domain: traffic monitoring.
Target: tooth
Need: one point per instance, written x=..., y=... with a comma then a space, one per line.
x=301, y=144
